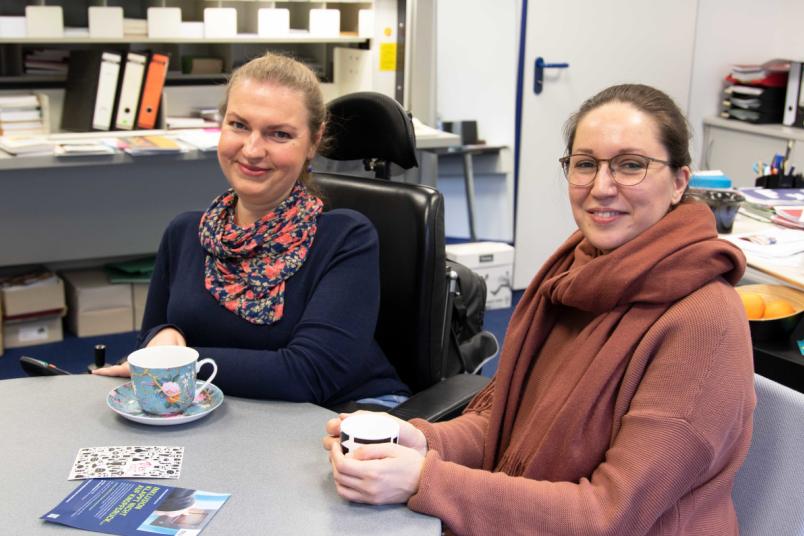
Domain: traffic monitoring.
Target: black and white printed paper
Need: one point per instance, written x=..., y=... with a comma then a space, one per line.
x=127, y=462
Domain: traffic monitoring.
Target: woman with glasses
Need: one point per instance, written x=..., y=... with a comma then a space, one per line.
x=624, y=396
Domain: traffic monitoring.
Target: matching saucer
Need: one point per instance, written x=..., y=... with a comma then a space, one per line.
x=123, y=402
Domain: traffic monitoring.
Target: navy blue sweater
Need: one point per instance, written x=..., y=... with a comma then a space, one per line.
x=322, y=350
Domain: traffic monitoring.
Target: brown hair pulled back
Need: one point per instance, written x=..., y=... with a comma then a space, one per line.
x=674, y=132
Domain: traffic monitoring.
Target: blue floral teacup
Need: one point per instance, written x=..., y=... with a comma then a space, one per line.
x=164, y=378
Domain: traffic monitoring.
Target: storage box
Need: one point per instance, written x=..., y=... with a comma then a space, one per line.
x=492, y=260
x=325, y=22
x=13, y=27
x=95, y=306
x=220, y=22
x=272, y=22
x=164, y=22
x=365, y=23
x=44, y=21
x=105, y=22
x=30, y=297
x=139, y=293
x=38, y=330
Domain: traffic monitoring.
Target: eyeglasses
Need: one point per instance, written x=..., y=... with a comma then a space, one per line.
x=626, y=169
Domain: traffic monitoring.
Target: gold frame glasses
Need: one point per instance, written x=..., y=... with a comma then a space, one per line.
x=626, y=169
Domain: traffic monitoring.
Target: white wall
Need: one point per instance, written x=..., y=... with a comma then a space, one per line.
x=476, y=51
x=737, y=31
x=476, y=59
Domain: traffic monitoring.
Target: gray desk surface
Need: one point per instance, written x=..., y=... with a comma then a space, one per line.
x=268, y=455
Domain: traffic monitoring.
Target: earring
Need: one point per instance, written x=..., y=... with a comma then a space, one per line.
x=309, y=168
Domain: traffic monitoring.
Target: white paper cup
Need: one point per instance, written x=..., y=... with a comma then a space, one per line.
x=367, y=429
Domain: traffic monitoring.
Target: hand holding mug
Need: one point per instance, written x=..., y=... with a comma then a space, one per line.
x=368, y=464
x=409, y=435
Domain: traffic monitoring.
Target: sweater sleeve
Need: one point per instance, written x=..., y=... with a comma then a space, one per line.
x=459, y=440
x=675, y=436
x=154, y=318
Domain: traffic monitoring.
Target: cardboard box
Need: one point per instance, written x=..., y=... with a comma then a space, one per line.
x=139, y=293
x=95, y=306
x=38, y=330
x=492, y=260
x=45, y=295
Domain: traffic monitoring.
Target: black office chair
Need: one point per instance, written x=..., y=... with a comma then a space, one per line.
x=371, y=127
x=415, y=300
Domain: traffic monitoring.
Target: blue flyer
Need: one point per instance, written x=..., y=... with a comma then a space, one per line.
x=134, y=508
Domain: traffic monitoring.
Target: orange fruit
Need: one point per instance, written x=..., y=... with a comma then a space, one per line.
x=754, y=305
x=778, y=308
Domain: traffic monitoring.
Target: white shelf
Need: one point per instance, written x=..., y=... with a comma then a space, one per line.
x=301, y=37
x=774, y=131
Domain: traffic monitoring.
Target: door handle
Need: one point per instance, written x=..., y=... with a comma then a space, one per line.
x=538, y=73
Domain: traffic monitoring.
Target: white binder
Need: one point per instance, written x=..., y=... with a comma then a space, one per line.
x=792, y=93
x=130, y=91
x=107, y=88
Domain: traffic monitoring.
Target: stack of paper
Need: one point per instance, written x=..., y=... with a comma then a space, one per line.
x=756, y=93
x=770, y=243
x=771, y=197
x=792, y=217
x=203, y=140
x=776, y=205
x=46, y=61
x=28, y=145
x=84, y=149
x=173, y=122
x=149, y=145
x=21, y=115
x=135, y=27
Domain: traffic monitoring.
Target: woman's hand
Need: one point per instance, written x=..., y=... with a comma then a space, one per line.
x=409, y=435
x=377, y=474
x=114, y=370
x=167, y=337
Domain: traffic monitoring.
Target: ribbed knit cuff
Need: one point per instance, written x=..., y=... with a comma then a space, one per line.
x=430, y=434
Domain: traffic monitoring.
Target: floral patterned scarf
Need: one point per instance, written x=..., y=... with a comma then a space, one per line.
x=246, y=267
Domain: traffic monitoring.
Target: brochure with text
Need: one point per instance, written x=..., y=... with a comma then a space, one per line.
x=128, y=507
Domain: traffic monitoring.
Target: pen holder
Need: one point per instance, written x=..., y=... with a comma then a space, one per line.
x=780, y=181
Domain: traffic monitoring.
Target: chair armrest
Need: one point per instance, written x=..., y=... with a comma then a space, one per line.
x=442, y=401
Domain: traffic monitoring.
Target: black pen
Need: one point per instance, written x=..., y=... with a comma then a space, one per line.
x=787, y=156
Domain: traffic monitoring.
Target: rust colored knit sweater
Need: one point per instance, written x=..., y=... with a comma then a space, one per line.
x=637, y=373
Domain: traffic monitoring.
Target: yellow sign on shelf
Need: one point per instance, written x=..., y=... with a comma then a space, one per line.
x=387, y=56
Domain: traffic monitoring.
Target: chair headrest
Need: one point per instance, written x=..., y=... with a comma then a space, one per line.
x=367, y=125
